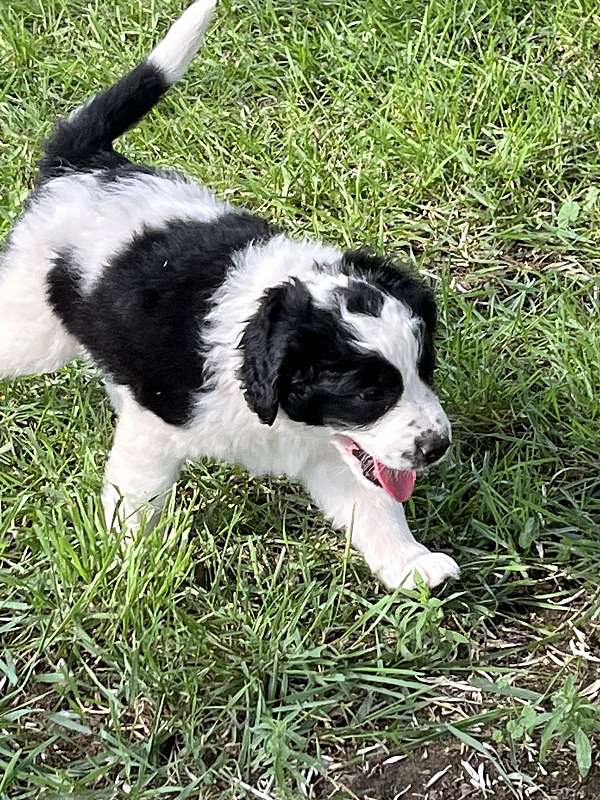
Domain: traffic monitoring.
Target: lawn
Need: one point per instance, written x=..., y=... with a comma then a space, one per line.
x=242, y=650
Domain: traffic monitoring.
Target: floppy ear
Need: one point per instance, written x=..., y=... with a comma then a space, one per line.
x=266, y=343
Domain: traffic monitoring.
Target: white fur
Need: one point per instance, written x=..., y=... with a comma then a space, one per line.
x=175, y=52
x=94, y=220
x=225, y=429
x=143, y=465
x=377, y=524
x=32, y=338
x=394, y=334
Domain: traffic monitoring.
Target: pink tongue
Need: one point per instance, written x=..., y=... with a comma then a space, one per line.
x=399, y=484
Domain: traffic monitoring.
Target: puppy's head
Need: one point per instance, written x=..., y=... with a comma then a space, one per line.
x=351, y=354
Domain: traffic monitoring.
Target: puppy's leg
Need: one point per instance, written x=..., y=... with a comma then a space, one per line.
x=378, y=526
x=143, y=465
x=32, y=338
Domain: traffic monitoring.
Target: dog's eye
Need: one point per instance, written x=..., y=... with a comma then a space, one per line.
x=371, y=394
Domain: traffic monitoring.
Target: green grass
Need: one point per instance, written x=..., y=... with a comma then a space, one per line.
x=241, y=650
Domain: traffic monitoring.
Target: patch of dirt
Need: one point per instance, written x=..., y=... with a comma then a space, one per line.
x=447, y=771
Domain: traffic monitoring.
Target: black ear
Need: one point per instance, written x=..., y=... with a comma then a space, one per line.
x=266, y=343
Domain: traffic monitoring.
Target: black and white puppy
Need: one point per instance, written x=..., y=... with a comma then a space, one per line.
x=220, y=336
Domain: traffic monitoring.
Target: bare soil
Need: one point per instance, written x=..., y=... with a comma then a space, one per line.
x=443, y=771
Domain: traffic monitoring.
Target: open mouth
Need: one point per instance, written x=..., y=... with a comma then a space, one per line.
x=398, y=483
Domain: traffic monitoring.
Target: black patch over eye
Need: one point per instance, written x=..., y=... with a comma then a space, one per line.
x=426, y=363
x=373, y=393
x=345, y=395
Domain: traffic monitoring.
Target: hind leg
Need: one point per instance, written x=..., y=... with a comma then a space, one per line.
x=32, y=338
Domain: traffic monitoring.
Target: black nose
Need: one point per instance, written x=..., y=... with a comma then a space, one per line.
x=430, y=447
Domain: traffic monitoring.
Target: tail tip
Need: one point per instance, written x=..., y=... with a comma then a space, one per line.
x=174, y=53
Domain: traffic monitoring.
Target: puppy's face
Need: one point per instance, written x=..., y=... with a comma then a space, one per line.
x=352, y=355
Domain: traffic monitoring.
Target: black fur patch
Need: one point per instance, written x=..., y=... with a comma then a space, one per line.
x=119, y=172
x=63, y=290
x=362, y=299
x=84, y=141
x=303, y=359
x=403, y=284
x=141, y=322
x=265, y=343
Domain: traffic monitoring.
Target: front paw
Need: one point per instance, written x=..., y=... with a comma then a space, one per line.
x=125, y=515
x=433, y=569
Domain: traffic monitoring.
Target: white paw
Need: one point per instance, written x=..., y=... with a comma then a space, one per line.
x=434, y=568
x=125, y=516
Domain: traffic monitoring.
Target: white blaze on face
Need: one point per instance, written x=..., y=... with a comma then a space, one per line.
x=397, y=336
